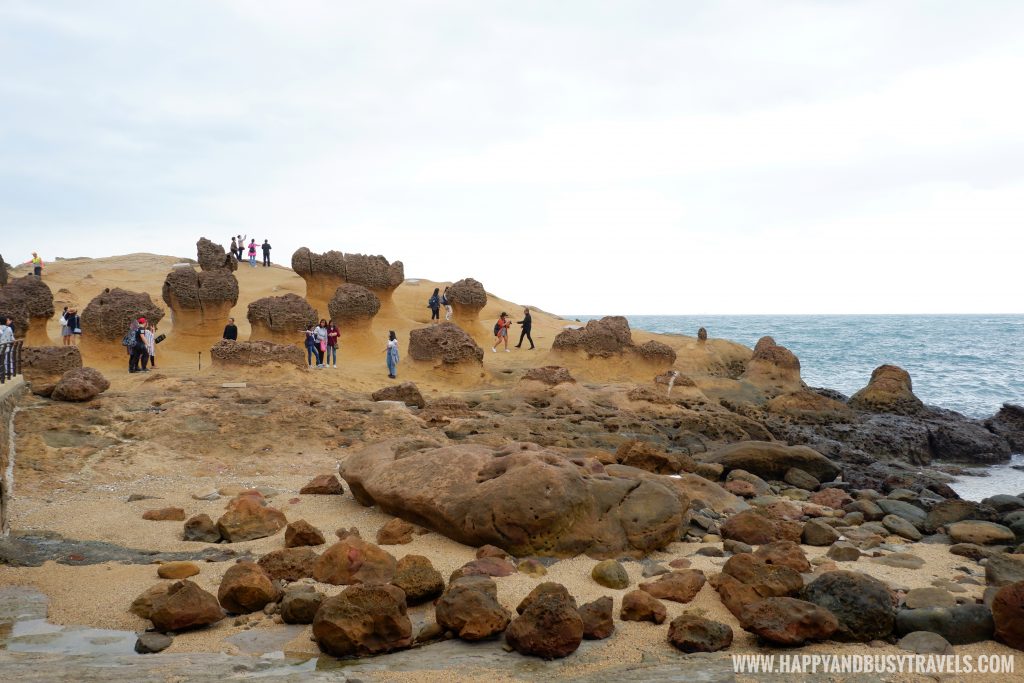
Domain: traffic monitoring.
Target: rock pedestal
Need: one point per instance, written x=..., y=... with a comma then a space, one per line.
x=29, y=302
x=324, y=273
x=352, y=308
x=201, y=302
x=280, y=319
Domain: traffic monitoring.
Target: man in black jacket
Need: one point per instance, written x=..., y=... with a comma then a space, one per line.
x=527, y=323
x=231, y=330
x=266, y=253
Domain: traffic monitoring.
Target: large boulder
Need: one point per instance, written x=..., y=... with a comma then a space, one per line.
x=80, y=384
x=353, y=560
x=788, y=621
x=1008, y=615
x=246, y=588
x=549, y=626
x=256, y=354
x=47, y=364
x=280, y=319
x=110, y=313
x=415, y=575
x=861, y=603
x=200, y=302
x=363, y=620
x=773, y=369
x=522, y=498
x=406, y=392
x=352, y=307
x=211, y=256
x=467, y=298
x=248, y=517
x=470, y=609
x=692, y=633
x=324, y=273
x=771, y=460
x=447, y=344
x=185, y=605
x=889, y=391
x=29, y=302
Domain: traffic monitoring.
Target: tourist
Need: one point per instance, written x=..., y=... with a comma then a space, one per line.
x=234, y=248
x=150, y=338
x=252, y=253
x=37, y=264
x=266, y=254
x=240, y=247
x=332, y=343
x=312, y=347
x=434, y=304
x=320, y=332
x=501, y=331
x=447, y=303
x=71, y=327
x=231, y=330
x=137, y=350
x=391, y=352
x=65, y=332
x=527, y=323
x=6, y=348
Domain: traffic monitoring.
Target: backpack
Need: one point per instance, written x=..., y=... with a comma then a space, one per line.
x=432, y=302
x=129, y=338
x=497, y=326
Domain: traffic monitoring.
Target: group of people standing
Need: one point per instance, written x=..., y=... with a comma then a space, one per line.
x=322, y=344
x=436, y=301
x=238, y=248
x=141, y=342
x=70, y=326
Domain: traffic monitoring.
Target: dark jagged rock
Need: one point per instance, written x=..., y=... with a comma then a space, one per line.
x=548, y=627
x=597, y=619
x=109, y=315
x=211, y=256
x=470, y=609
x=960, y=624
x=1009, y=424
x=691, y=633
x=861, y=603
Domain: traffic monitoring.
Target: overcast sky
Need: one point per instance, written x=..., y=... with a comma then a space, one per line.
x=586, y=157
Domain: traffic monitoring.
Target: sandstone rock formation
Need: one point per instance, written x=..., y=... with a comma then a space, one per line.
x=551, y=375
x=447, y=344
x=610, y=337
x=771, y=460
x=29, y=302
x=246, y=588
x=467, y=298
x=280, y=319
x=324, y=273
x=211, y=256
x=45, y=365
x=889, y=391
x=548, y=627
x=80, y=384
x=406, y=392
x=523, y=499
x=200, y=302
x=471, y=610
x=774, y=369
x=110, y=314
x=256, y=354
x=363, y=620
x=352, y=307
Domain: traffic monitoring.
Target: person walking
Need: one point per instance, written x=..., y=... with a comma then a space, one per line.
x=252, y=253
x=434, y=304
x=501, y=331
x=37, y=264
x=312, y=347
x=150, y=336
x=266, y=254
x=231, y=330
x=137, y=349
x=332, y=343
x=391, y=355
x=527, y=323
x=447, y=303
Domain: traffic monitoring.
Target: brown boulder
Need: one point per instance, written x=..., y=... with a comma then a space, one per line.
x=302, y=533
x=80, y=384
x=211, y=256
x=323, y=485
x=200, y=302
x=246, y=588
x=753, y=528
x=353, y=305
x=549, y=626
x=603, y=338
x=889, y=391
x=597, y=619
x=640, y=605
x=363, y=620
x=300, y=605
x=832, y=498
x=110, y=314
x=645, y=456
x=656, y=352
x=248, y=517
x=467, y=298
x=256, y=354
x=177, y=570
x=771, y=460
x=471, y=609
x=446, y=343
x=415, y=575
x=353, y=560
x=396, y=532
x=1008, y=615
x=185, y=605
x=862, y=604
x=289, y=564
x=773, y=369
x=201, y=528
x=279, y=318
x=484, y=566
x=546, y=588
x=168, y=514
x=47, y=364
x=769, y=580
x=784, y=554
x=735, y=594
x=406, y=392
x=980, y=533
x=680, y=586
x=142, y=606
x=788, y=621
x=524, y=499
x=691, y=633
x=29, y=303
x=551, y=375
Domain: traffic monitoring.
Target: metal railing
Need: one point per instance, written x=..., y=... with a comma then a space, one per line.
x=10, y=360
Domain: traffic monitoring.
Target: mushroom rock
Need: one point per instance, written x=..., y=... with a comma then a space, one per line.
x=611, y=337
x=352, y=307
x=29, y=302
x=280, y=318
x=256, y=354
x=212, y=256
x=467, y=298
x=774, y=369
x=446, y=343
x=702, y=335
x=889, y=391
x=200, y=302
x=110, y=314
x=324, y=273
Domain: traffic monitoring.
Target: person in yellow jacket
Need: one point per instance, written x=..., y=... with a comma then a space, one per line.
x=37, y=264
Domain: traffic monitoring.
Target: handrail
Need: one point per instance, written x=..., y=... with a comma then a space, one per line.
x=10, y=360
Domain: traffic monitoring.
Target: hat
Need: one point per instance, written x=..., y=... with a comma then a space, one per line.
x=142, y=321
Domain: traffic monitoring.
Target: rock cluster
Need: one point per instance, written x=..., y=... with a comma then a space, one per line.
x=280, y=318
x=257, y=354
x=110, y=314
x=610, y=337
x=447, y=344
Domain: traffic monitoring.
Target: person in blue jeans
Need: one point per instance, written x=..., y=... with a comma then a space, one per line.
x=392, y=354
x=312, y=347
x=332, y=344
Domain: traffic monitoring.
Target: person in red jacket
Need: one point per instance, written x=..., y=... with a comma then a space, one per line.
x=501, y=331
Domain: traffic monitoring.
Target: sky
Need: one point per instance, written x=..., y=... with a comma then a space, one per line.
x=586, y=157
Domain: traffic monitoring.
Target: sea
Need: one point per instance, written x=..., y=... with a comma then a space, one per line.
x=968, y=363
